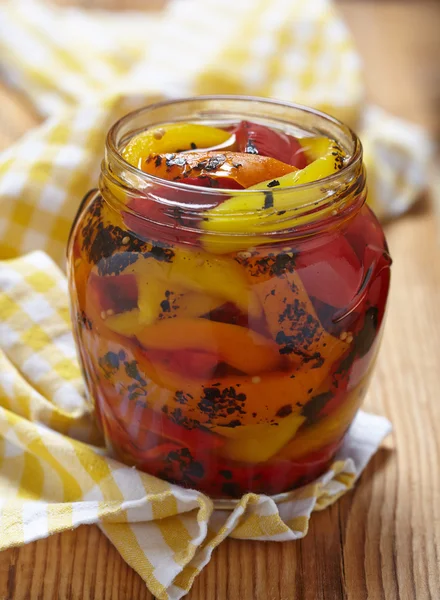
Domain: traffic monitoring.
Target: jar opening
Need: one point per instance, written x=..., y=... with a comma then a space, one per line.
x=312, y=205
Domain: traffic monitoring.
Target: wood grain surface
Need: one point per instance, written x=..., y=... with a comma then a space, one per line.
x=382, y=541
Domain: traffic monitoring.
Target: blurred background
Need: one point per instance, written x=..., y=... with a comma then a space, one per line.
x=398, y=40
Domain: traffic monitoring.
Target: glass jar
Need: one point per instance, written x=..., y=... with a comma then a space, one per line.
x=227, y=353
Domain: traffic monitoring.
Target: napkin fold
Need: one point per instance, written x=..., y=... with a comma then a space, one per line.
x=55, y=476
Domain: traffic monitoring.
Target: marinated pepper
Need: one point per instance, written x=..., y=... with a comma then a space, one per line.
x=174, y=137
x=246, y=169
x=230, y=373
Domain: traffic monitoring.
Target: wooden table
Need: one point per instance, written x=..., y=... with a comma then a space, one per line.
x=382, y=541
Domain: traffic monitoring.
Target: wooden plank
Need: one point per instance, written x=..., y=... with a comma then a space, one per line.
x=381, y=541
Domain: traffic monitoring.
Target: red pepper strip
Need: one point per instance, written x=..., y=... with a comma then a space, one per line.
x=196, y=439
x=219, y=478
x=365, y=230
x=122, y=443
x=158, y=453
x=329, y=269
x=117, y=293
x=191, y=363
x=149, y=448
x=258, y=139
x=139, y=421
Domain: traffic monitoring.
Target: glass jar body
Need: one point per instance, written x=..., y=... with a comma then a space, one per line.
x=229, y=373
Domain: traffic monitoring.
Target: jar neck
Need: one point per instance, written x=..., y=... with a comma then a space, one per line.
x=307, y=209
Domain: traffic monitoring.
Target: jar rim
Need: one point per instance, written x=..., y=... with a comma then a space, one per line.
x=307, y=208
x=112, y=145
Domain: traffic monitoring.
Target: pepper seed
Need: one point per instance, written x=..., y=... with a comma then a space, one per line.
x=125, y=240
x=158, y=133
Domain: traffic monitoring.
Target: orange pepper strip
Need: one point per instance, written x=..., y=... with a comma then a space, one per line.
x=79, y=275
x=246, y=169
x=255, y=400
x=292, y=320
x=241, y=348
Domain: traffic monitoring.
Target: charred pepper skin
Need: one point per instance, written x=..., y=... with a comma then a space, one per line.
x=225, y=366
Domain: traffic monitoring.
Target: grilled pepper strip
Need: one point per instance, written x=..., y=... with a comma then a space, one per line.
x=199, y=272
x=245, y=169
x=327, y=430
x=258, y=443
x=147, y=421
x=293, y=322
x=172, y=138
x=240, y=400
x=288, y=311
x=260, y=212
x=237, y=346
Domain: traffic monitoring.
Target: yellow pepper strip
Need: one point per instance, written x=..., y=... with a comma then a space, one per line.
x=126, y=323
x=292, y=320
x=314, y=147
x=258, y=443
x=197, y=271
x=259, y=212
x=187, y=305
x=193, y=304
x=237, y=346
x=327, y=430
x=151, y=293
x=172, y=137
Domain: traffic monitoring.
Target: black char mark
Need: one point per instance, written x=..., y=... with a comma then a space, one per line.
x=222, y=404
x=268, y=199
x=274, y=264
x=181, y=468
x=212, y=164
x=301, y=329
x=284, y=411
x=273, y=183
x=315, y=405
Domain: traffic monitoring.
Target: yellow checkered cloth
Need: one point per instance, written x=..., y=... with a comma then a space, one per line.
x=82, y=70
x=52, y=478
